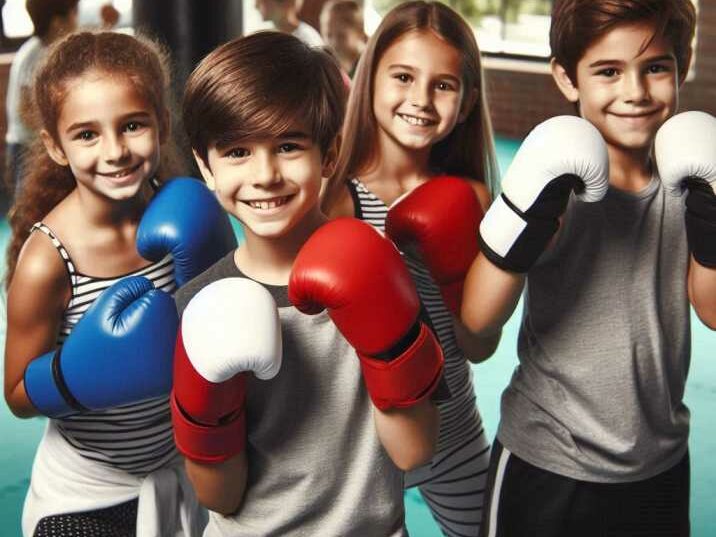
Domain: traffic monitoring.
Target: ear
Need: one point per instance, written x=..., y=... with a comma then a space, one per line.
x=469, y=100
x=330, y=158
x=564, y=83
x=205, y=170
x=53, y=149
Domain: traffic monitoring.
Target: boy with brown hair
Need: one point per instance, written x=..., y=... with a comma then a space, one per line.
x=286, y=431
x=593, y=438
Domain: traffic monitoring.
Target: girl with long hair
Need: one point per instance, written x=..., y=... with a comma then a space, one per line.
x=417, y=110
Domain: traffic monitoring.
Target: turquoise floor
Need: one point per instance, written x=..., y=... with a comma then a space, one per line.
x=18, y=438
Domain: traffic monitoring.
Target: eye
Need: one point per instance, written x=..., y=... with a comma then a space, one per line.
x=288, y=147
x=85, y=135
x=133, y=126
x=658, y=68
x=609, y=72
x=445, y=86
x=237, y=152
x=403, y=77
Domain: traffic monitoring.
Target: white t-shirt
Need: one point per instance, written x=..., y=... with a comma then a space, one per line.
x=21, y=72
x=308, y=34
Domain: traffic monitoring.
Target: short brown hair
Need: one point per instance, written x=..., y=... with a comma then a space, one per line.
x=43, y=11
x=576, y=24
x=261, y=85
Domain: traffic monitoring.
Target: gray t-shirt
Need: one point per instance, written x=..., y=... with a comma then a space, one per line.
x=604, y=345
x=316, y=465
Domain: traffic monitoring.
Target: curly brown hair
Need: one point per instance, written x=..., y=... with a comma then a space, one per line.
x=44, y=182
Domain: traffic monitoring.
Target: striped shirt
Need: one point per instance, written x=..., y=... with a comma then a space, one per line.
x=459, y=418
x=136, y=438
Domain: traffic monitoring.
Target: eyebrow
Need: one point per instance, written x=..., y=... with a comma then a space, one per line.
x=667, y=57
x=124, y=117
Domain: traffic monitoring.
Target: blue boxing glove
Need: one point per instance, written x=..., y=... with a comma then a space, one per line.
x=120, y=352
x=185, y=219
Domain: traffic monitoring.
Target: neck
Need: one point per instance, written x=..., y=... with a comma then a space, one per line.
x=629, y=169
x=99, y=211
x=270, y=259
x=399, y=165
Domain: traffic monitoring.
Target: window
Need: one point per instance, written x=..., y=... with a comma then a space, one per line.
x=513, y=27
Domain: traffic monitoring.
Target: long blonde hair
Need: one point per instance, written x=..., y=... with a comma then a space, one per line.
x=468, y=151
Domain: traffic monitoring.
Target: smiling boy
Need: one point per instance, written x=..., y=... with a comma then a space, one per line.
x=311, y=439
x=593, y=438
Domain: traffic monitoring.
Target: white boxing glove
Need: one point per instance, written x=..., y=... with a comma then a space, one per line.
x=229, y=328
x=560, y=155
x=685, y=152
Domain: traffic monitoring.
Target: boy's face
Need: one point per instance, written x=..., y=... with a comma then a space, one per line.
x=624, y=87
x=270, y=184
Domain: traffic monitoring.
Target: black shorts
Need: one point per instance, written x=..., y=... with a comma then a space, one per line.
x=523, y=500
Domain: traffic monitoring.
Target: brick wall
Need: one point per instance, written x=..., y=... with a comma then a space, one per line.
x=522, y=96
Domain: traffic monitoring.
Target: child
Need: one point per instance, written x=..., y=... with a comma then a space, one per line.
x=593, y=438
x=304, y=453
x=88, y=345
x=52, y=20
x=284, y=16
x=342, y=28
x=418, y=110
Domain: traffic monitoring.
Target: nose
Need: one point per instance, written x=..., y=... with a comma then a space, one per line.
x=419, y=95
x=266, y=172
x=635, y=88
x=115, y=148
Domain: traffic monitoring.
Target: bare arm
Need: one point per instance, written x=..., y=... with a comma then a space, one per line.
x=702, y=292
x=490, y=297
x=409, y=435
x=37, y=296
x=219, y=487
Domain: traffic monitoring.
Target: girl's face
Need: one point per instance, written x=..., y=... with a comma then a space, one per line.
x=109, y=135
x=418, y=91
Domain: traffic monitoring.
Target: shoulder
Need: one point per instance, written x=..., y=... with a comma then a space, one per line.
x=223, y=268
x=40, y=277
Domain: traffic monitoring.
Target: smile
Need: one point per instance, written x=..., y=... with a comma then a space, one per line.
x=270, y=203
x=121, y=173
x=416, y=121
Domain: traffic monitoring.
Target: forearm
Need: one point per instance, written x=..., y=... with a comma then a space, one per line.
x=476, y=348
x=18, y=402
x=219, y=487
x=702, y=292
x=489, y=299
x=409, y=435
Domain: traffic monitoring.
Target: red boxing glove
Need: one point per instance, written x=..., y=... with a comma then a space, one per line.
x=441, y=218
x=230, y=327
x=358, y=275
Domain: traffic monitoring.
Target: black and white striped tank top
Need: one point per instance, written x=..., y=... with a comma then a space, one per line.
x=459, y=417
x=136, y=438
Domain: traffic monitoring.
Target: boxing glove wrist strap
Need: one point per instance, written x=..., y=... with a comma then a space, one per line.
x=46, y=388
x=701, y=221
x=208, y=443
x=409, y=378
x=513, y=240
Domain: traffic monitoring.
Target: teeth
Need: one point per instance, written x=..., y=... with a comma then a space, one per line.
x=268, y=204
x=412, y=120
